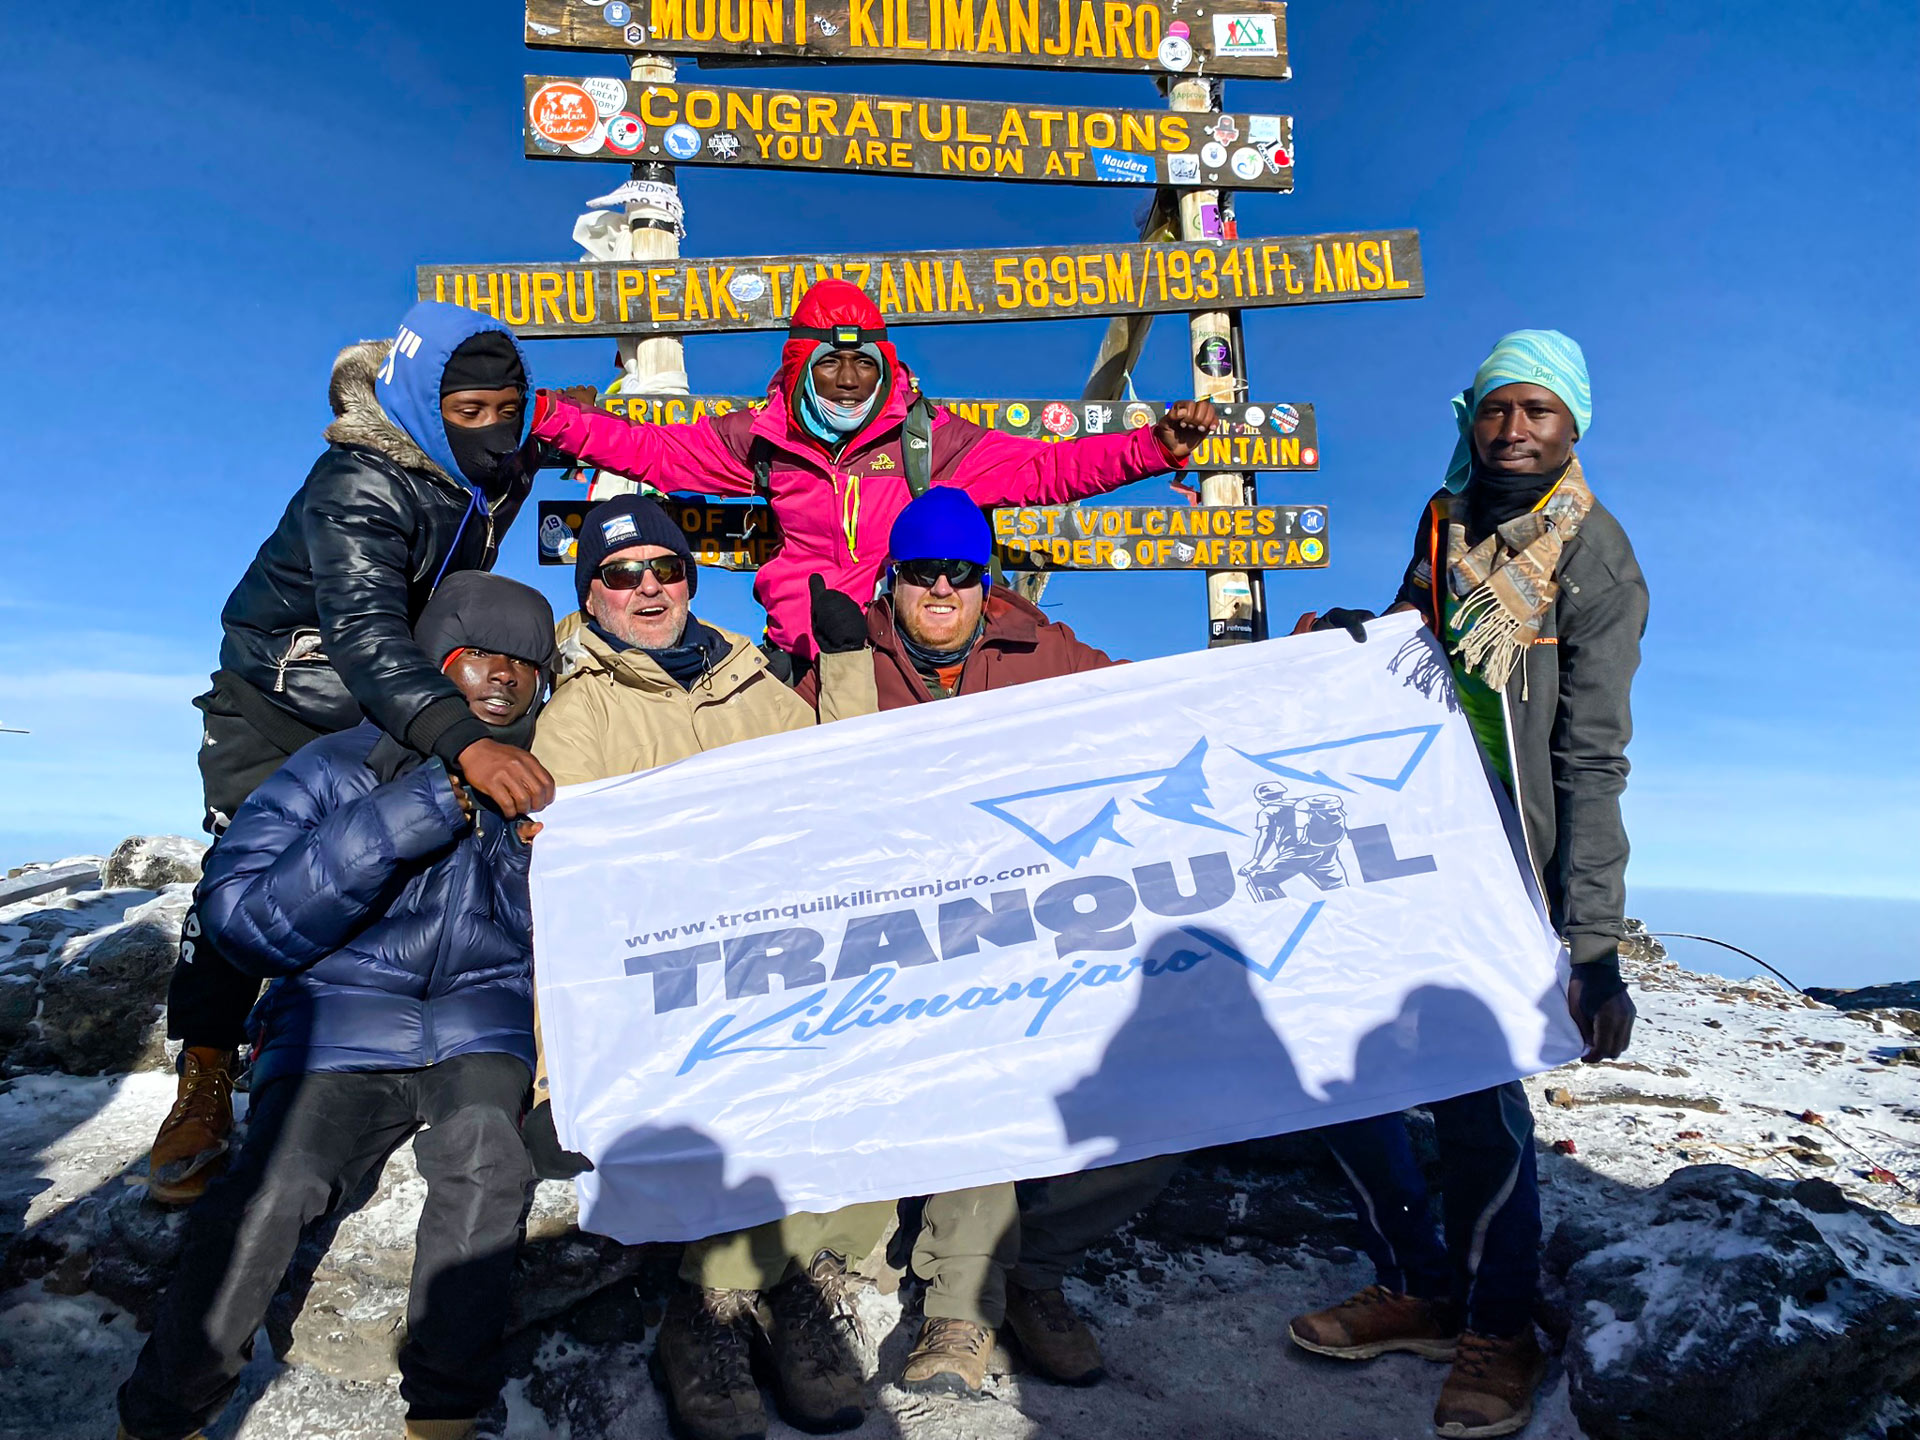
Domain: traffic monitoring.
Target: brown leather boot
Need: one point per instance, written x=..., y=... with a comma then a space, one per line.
x=815, y=1345
x=950, y=1358
x=1491, y=1387
x=1057, y=1342
x=192, y=1145
x=703, y=1360
x=1376, y=1321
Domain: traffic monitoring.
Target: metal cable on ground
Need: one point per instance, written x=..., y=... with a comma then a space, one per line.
x=1709, y=940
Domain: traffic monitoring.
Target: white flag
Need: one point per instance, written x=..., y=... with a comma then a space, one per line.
x=1059, y=925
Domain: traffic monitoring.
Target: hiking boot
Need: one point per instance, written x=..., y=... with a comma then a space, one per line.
x=1376, y=1321
x=703, y=1360
x=192, y=1145
x=441, y=1429
x=1057, y=1342
x=1490, y=1389
x=815, y=1345
x=950, y=1358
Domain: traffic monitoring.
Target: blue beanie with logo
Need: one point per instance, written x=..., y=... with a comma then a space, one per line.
x=620, y=524
x=943, y=524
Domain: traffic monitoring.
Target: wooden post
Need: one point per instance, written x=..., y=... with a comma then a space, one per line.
x=1219, y=372
x=656, y=361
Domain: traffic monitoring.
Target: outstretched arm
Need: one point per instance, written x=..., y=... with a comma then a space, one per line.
x=668, y=457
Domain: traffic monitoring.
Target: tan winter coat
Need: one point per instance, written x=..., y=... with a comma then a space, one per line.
x=616, y=712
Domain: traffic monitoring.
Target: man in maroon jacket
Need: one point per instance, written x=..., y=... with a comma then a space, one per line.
x=997, y=1252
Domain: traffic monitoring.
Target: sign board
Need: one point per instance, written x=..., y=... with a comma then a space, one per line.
x=1247, y=39
x=930, y=287
x=1249, y=436
x=726, y=534
x=631, y=121
x=1161, y=537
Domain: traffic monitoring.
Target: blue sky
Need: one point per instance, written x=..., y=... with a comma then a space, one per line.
x=203, y=202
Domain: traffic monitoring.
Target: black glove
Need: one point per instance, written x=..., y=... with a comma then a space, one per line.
x=550, y=1162
x=839, y=624
x=1354, y=622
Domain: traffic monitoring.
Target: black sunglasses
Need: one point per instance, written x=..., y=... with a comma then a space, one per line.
x=926, y=573
x=625, y=574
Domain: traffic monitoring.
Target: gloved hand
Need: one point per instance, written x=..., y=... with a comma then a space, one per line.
x=1354, y=622
x=839, y=624
x=550, y=1162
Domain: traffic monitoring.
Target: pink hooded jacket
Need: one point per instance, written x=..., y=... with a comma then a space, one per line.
x=835, y=515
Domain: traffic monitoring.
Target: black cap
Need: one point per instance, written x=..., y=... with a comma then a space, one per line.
x=486, y=361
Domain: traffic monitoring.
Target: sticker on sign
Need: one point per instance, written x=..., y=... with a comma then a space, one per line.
x=563, y=113
x=1244, y=35
x=1123, y=165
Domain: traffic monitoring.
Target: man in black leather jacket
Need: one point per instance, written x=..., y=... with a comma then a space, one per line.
x=423, y=473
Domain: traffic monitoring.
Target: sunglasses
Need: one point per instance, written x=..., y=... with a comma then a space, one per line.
x=926, y=573
x=625, y=574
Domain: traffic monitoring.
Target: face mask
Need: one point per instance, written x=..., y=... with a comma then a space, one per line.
x=827, y=418
x=486, y=452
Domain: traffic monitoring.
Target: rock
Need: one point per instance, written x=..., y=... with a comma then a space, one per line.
x=1560, y=1097
x=100, y=1001
x=1725, y=1306
x=1902, y=995
x=153, y=862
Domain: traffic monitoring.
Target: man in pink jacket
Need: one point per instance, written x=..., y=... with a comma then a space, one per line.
x=832, y=439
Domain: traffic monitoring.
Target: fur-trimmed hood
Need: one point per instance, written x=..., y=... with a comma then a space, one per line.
x=358, y=418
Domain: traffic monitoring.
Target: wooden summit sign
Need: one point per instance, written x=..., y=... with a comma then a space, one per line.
x=598, y=118
x=1161, y=537
x=930, y=287
x=1249, y=435
x=1180, y=37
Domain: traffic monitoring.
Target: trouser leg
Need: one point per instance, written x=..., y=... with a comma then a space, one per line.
x=1395, y=1222
x=308, y=1138
x=477, y=1172
x=1060, y=1218
x=760, y=1258
x=969, y=1240
x=208, y=1000
x=1490, y=1194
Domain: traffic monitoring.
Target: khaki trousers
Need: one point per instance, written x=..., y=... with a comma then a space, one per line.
x=971, y=1241
x=760, y=1258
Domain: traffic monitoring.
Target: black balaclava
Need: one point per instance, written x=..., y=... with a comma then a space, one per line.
x=485, y=453
x=1492, y=500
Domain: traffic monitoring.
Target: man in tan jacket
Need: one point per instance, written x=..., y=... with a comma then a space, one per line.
x=640, y=682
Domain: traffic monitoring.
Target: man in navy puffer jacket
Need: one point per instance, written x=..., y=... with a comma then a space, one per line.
x=387, y=904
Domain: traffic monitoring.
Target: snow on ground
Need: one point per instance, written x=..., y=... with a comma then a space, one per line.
x=1739, y=1072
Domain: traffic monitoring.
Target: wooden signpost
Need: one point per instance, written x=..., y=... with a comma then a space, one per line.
x=921, y=287
x=605, y=119
x=1247, y=39
x=1271, y=435
x=1161, y=537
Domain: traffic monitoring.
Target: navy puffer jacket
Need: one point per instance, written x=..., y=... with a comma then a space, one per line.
x=396, y=935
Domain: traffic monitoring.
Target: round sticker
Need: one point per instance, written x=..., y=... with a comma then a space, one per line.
x=1254, y=416
x=563, y=113
x=1247, y=163
x=723, y=145
x=1121, y=559
x=609, y=95
x=747, y=287
x=593, y=139
x=554, y=536
x=1179, y=27
x=1018, y=414
x=1058, y=419
x=682, y=142
x=1311, y=550
x=1286, y=419
x=1213, y=356
x=1309, y=456
x=616, y=13
x=1175, y=53
x=1137, y=416
x=1313, y=521
x=1213, y=154
x=625, y=133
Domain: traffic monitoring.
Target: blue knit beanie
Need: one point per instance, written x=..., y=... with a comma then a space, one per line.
x=943, y=524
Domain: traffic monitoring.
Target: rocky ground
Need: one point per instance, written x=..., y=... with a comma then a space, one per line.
x=1731, y=1216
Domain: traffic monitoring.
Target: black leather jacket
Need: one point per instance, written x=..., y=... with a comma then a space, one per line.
x=322, y=622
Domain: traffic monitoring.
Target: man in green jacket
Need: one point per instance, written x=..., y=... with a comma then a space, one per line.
x=1535, y=593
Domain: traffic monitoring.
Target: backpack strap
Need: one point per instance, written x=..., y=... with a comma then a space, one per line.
x=916, y=445
x=760, y=461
